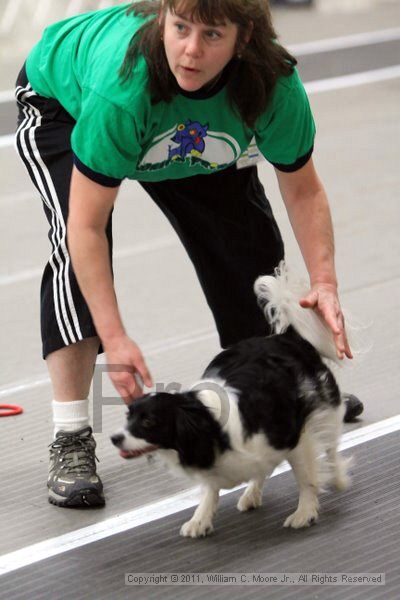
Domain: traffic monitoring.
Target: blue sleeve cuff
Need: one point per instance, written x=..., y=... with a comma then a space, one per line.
x=94, y=176
x=300, y=162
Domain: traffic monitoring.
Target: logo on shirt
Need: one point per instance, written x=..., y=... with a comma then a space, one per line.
x=193, y=143
x=190, y=140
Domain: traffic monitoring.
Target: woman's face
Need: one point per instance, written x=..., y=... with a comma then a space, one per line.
x=196, y=52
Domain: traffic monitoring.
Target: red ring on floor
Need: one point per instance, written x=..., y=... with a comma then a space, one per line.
x=9, y=410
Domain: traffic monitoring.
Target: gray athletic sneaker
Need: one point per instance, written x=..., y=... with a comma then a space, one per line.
x=73, y=481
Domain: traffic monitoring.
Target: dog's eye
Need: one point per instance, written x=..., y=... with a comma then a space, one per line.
x=148, y=422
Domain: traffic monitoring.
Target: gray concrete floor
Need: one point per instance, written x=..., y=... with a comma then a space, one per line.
x=357, y=155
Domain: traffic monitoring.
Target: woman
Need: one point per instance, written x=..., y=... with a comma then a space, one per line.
x=170, y=94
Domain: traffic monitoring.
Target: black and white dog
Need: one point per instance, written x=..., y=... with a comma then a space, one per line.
x=258, y=403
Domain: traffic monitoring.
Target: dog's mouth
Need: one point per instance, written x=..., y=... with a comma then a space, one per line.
x=137, y=453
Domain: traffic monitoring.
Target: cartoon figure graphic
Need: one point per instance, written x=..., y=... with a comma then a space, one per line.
x=190, y=138
x=190, y=149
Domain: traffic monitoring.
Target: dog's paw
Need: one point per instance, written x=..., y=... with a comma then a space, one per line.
x=195, y=529
x=249, y=500
x=341, y=479
x=342, y=482
x=301, y=518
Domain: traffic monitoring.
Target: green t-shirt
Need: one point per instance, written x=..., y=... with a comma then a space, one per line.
x=118, y=132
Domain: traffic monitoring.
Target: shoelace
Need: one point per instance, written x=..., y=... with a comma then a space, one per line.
x=78, y=456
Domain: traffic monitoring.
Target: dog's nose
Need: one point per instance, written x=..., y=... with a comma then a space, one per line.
x=117, y=439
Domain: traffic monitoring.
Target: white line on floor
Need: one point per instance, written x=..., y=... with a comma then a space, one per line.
x=28, y=195
x=7, y=140
x=21, y=276
x=157, y=510
x=347, y=41
x=166, y=345
x=7, y=96
x=23, y=386
x=160, y=243
x=352, y=80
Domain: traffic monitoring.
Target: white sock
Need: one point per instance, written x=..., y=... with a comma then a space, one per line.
x=70, y=416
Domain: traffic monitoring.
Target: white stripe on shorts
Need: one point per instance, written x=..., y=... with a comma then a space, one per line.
x=59, y=261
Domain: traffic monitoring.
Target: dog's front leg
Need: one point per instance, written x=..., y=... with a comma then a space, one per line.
x=200, y=524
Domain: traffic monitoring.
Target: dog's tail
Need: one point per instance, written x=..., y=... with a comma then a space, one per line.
x=279, y=297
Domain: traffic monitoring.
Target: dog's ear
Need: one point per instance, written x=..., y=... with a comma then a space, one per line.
x=196, y=436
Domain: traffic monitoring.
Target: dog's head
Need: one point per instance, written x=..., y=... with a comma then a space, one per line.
x=178, y=422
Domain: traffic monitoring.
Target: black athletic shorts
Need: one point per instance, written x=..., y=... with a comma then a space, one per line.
x=224, y=221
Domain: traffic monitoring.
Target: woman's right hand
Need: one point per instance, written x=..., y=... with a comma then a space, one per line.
x=126, y=364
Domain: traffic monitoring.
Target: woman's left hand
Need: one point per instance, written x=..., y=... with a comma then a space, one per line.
x=323, y=298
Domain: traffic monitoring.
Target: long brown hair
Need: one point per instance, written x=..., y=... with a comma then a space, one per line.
x=254, y=70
